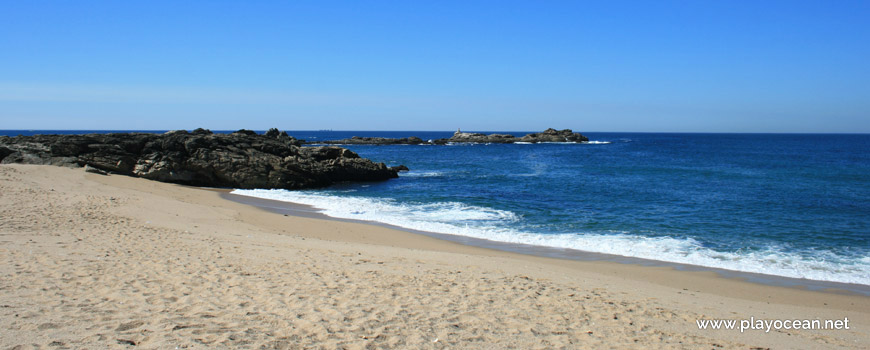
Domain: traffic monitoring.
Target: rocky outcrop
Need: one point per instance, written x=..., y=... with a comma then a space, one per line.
x=467, y=137
x=553, y=135
x=549, y=135
x=242, y=159
x=356, y=140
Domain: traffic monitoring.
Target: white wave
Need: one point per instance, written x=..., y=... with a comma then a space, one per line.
x=492, y=224
x=522, y=143
x=413, y=173
x=597, y=142
x=388, y=211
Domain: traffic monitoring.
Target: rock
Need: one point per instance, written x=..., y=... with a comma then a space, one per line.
x=460, y=136
x=549, y=135
x=90, y=169
x=399, y=168
x=242, y=159
x=552, y=135
x=272, y=133
x=5, y=152
x=280, y=135
x=356, y=140
x=245, y=132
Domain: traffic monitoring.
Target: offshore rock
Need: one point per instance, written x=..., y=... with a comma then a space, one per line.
x=549, y=135
x=468, y=137
x=552, y=135
x=356, y=140
x=242, y=159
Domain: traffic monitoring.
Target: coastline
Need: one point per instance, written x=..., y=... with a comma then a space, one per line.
x=303, y=210
x=165, y=241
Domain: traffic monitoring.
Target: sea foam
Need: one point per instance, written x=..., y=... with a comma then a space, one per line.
x=415, y=173
x=496, y=225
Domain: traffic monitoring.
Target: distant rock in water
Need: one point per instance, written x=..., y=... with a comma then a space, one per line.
x=552, y=135
x=356, y=140
x=399, y=168
x=549, y=135
x=242, y=159
x=460, y=136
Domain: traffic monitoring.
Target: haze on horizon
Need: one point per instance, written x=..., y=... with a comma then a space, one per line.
x=663, y=66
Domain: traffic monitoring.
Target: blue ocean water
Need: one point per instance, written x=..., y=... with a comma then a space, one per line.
x=786, y=205
x=792, y=205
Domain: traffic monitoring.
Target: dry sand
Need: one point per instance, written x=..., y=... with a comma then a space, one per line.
x=92, y=261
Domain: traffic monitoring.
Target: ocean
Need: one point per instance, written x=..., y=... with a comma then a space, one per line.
x=789, y=205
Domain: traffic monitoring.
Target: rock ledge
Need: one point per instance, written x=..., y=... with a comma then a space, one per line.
x=242, y=159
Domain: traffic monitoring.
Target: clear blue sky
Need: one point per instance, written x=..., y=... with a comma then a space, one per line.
x=708, y=66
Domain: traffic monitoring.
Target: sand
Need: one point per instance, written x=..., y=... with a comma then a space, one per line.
x=91, y=261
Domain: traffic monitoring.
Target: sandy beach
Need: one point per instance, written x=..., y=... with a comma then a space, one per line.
x=92, y=261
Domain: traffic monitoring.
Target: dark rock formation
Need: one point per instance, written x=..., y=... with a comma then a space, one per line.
x=356, y=140
x=242, y=159
x=549, y=135
x=460, y=136
x=552, y=135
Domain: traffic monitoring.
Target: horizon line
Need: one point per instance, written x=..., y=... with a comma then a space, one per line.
x=491, y=131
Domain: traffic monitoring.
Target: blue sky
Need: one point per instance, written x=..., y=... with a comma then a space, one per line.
x=683, y=66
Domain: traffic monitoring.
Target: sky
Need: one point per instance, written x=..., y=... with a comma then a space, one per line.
x=636, y=66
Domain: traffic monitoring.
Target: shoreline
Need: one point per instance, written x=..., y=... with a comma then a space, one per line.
x=304, y=210
x=109, y=261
